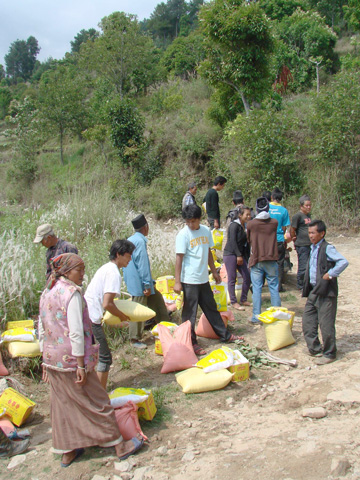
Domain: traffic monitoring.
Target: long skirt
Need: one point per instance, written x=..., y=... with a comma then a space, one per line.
x=81, y=416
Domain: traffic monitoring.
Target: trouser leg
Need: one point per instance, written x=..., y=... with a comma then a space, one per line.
x=244, y=270
x=156, y=303
x=271, y=274
x=326, y=314
x=230, y=264
x=189, y=311
x=136, y=329
x=303, y=254
x=208, y=306
x=280, y=262
x=105, y=357
x=310, y=323
x=257, y=280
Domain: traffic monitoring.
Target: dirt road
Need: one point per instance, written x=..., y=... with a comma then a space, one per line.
x=249, y=430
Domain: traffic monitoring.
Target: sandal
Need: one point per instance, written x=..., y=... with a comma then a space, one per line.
x=79, y=452
x=137, y=445
x=237, y=307
x=236, y=339
x=198, y=350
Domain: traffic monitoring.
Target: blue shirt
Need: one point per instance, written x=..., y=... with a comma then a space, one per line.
x=280, y=214
x=137, y=275
x=195, y=245
x=332, y=255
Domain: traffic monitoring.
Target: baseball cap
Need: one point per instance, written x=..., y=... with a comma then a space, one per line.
x=42, y=231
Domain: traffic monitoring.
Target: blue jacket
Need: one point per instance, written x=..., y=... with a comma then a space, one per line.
x=137, y=275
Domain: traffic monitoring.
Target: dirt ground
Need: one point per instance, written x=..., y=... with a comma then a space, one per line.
x=249, y=430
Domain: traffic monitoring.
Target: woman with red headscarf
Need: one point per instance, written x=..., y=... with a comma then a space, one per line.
x=81, y=414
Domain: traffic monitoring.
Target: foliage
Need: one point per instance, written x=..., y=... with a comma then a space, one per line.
x=331, y=10
x=184, y=55
x=278, y=9
x=41, y=67
x=82, y=37
x=5, y=99
x=352, y=14
x=238, y=45
x=20, y=61
x=127, y=128
x=62, y=95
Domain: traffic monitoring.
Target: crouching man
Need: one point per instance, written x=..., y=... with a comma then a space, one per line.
x=321, y=289
x=193, y=256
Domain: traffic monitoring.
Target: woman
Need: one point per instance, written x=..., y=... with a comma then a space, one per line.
x=81, y=414
x=236, y=255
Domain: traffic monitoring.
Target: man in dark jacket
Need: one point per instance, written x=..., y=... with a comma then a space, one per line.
x=261, y=234
x=212, y=202
x=321, y=289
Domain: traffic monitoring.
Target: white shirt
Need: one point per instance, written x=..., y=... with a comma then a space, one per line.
x=106, y=280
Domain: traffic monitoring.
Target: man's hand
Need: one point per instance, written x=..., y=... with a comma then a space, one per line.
x=147, y=292
x=326, y=276
x=177, y=287
x=239, y=260
x=216, y=223
x=217, y=278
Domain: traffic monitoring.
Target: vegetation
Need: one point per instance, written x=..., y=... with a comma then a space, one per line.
x=265, y=93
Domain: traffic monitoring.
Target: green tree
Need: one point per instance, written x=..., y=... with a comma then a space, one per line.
x=120, y=53
x=5, y=99
x=2, y=72
x=82, y=37
x=21, y=59
x=184, y=55
x=238, y=44
x=352, y=14
x=331, y=10
x=62, y=96
x=278, y=9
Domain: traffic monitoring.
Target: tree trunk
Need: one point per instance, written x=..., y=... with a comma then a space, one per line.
x=246, y=104
x=61, y=146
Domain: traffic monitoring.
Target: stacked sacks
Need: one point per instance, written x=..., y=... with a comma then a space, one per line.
x=171, y=326
x=20, y=338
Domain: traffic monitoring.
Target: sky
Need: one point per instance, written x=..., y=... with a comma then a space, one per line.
x=55, y=23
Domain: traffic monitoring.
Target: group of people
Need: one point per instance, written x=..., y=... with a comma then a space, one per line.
x=255, y=245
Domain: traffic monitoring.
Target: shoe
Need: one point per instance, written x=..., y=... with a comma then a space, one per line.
x=282, y=290
x=324, y=360
x=236, y=339
x=139, y=345
x=312, y=354
x=79, y=452
x=137, y=445
x=255, y=322
x=10, y=448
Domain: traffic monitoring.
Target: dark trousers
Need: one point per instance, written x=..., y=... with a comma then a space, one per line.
x=202, y=295
x=105, y=358
x=320, y=311
x=303, y=254
x=156, y=303
x=281, y=251
x=231, y=268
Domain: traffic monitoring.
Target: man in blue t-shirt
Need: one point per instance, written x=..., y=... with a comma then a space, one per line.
x=193, y=256
x=280, y=214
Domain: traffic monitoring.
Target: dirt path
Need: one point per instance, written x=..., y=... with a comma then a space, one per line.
x=249, y=430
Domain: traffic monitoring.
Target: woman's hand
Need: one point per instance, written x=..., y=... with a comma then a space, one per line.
x=80, y=376
x=45, y=377
x=239, y=260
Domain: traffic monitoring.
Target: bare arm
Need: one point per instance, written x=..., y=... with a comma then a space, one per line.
x=178, y=266
x=216, y=276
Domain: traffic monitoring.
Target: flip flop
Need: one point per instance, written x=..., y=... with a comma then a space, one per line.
x=137, y=444
x=236, y=339
x=79, y=452
x=198, y=350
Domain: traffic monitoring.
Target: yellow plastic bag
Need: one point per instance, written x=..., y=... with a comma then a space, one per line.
x=20, y=323
x=24, y=349
x=19, y=334
x=221, y=358
x=218, y=236
x=171, y=326
x=195, y=380
x=122, y=395
x=278, y=334
x=220, y=294
x=135, y=311
x=17, y=406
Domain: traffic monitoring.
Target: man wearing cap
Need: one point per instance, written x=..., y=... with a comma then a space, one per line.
x=261, y=233
x=55, y=246
x=189, y=197
x=139, y=282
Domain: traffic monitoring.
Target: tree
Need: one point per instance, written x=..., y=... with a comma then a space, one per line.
x=184, y=55
x=5, y=99
x=238, y=44
x=82, y=37
x=331, y=10
x=62, y=97
x=352, y=14
x=21, y=59
x=120, y=53
x=278, y=9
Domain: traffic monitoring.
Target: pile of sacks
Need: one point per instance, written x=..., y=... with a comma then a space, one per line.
x=20, y=339
x=173, y=301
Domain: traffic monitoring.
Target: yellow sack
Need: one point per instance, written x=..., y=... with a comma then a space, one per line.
x=135, y=311
x=176, y=298
x=122, y=395
x=19, y=334
x=279, y=313
x=218, y=236
x=221, y=358
x=278, y=334
x=165, y=284
x=171, y=326
x=24, y=349
x=195, y=380
x=20, y=323
x=220, y=294
x=17, y=406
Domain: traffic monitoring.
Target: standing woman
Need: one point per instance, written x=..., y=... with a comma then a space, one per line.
x=81, y=414
x=236, y=255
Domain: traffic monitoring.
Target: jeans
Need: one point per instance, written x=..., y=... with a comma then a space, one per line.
x=303, y=254
x=231, y=268
x=258, y=272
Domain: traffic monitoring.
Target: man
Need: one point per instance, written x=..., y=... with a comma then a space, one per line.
x=321, y=289
x=261, y=234
x=212, y=202
x=140, y=284
x=299, y=234
x=100, y=295
x=55, y=246
x=193, y=256
x=280, y=213
x=189, y=197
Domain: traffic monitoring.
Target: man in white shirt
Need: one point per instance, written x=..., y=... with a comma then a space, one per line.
x=100, y=295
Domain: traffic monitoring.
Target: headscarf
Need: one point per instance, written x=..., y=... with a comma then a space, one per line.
x=61, y=265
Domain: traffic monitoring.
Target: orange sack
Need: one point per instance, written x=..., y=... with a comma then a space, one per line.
x=204, y=329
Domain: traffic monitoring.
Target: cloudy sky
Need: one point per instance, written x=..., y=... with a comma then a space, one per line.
x=55, y=23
